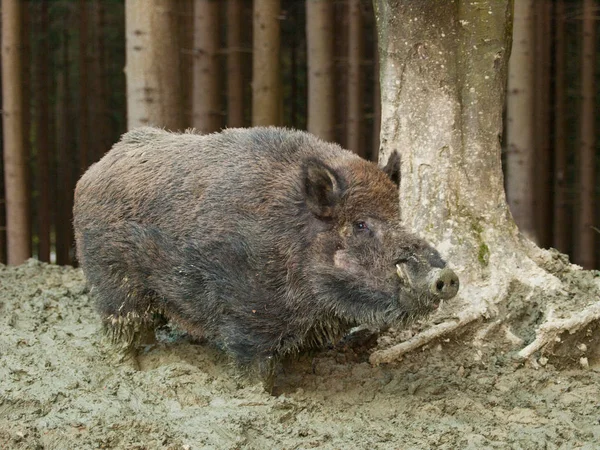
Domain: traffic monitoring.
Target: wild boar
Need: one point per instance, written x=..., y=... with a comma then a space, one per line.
x=264, y=240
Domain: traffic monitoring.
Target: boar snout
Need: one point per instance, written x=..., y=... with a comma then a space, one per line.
x=443, y=283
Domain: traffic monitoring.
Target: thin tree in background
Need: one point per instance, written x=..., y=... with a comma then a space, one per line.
x=42, y=137
x=186, y=52
x=235, y=74
x=2, y=218
x=64, y=169
x=341, y=69
x=266, y=71
x=15, y=159
x=99, y=110
x=292, y=73
x=354, y=88
x=560, y=234
x=152, y=69
x=84, y=87
x=542, y=167
x=520, y=125
x=206, y=116
x=321, y=87
x=585, y=251
x=27, y=89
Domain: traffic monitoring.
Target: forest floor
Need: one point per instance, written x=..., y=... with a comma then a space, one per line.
x=64, y=386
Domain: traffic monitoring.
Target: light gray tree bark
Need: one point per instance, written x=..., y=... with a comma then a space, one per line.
x=443, y=75
x=543, y=126
x=520, y=124
x=152, y=69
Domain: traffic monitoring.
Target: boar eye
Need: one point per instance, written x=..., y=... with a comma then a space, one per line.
x=361, y=227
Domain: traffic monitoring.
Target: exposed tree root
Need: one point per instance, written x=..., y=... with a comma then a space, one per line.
x=549, y=331
x=561, y=305
x=435, y=332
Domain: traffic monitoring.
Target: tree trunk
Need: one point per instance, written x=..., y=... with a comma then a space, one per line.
x=152, y=70
x=561, y=236
x=341, y=69
x=376, y=102
x=443, y=74
x=64, y=158
x=27, y=80
x=354, y=92
x=292, y=76
x=206, y=116
x=435, y=81
x=115, y=59
x=84, y=85
x=3, y=243
x=15, y=158
x=585, y=250
x=3, y=259
x=186, y=52
x=520, y=125
x=235, y=74
x=266, y=101
x=542, y=167
x=321, y=88
x=42, y=137
x=98, y=114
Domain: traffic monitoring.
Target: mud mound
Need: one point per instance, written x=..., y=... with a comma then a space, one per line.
x=63, y=386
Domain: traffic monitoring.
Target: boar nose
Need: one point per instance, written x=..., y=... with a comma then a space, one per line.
x=444, y=283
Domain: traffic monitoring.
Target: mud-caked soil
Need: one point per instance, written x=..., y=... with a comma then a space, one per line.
x=64, y=385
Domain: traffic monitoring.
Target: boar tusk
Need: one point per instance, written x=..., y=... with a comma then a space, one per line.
x=401, y=272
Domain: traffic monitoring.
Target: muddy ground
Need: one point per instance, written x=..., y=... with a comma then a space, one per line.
x=64, y=386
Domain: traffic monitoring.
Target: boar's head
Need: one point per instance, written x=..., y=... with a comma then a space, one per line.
x=366, y=267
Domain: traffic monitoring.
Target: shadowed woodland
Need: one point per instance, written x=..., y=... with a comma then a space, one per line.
x=222, y=72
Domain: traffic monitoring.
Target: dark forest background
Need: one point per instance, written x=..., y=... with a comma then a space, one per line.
x=75, y=104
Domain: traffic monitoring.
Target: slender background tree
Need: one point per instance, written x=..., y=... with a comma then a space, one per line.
x=15, y=156
x=520, y=125
x=321, y=88
x=187, y=63
x=65, y=161
x=561, y=230
x=235, y=73
x=84, y=87
x=207, y=68
x=266, y=100
x=585, y=251
x=354, y=89
x=42, y=137
x=153, y=55
x=542, y=157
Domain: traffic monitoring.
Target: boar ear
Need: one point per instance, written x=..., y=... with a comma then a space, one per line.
x=322, y=188
x=392, y=168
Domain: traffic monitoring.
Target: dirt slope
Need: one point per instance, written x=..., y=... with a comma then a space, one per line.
x=62, y=386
